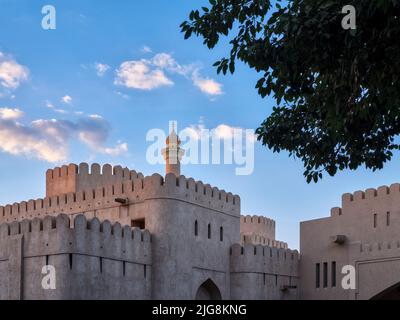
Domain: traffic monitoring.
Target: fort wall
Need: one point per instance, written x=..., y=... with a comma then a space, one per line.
x=261, y=272
x=92, y=259
x=100, y=199
x=259, y=230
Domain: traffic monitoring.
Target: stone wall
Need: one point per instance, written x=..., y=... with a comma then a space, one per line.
x=92, y=259
x=366, y=217
x=261, y=272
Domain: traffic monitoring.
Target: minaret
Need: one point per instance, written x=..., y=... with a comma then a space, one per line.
x=173, y=153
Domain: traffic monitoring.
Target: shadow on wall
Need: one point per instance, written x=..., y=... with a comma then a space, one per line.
x=391, y=293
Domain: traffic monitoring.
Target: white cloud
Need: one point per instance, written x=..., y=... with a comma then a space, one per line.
x=119, y=149
x=67, y=99
x=122, y=95
x=146, y=49
x=62, y=111
x=101, y=68
x=139, y=75
x=222, y=131
x=48, y=139
x=148, y=74
x=49, y=105
x=10, y=114
x=207, y=85
x=11, y=72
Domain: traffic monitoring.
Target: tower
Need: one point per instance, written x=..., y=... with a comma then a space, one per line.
x=172, y=154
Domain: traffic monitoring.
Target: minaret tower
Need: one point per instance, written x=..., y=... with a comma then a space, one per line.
x=173, y=153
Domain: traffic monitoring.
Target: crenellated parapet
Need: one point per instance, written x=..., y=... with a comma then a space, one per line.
x=57, y=235
x=76, y=178
x=264, y=259
x=261, y=272
x=258, y=230
x=132, y=190
x=383, y=192
x=371, y=197
x=91, y=259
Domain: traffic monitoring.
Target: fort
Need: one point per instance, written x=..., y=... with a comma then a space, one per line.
x=112, y=233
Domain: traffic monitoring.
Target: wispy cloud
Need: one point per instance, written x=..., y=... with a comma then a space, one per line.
x=146, y=49
x=207, y=85
x=48, y=139
x=221, y=131
x=67, y=99
x=101, y=68
x=12, y=74
x=149, y=74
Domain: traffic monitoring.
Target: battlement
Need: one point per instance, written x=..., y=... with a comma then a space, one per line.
x=264, y=259
x=55, y=235
x=371, y=193
x=256, y=239
x=368, y=197
x=135, y=189
x=257, y=220
x=93, y=259
x=74, y=178
x=257, y=230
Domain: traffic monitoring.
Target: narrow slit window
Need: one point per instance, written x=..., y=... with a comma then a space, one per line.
x=70, y=261
x=325, y=274
x=221, y=234
x=196, y=228
x=375, y=220
x=209, y=231
x=388, y=218
x=317, y=275
x=333, y=270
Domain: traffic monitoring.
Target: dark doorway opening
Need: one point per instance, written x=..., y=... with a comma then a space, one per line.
x=208, y=291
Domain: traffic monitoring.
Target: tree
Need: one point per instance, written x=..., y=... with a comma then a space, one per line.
x=337, y=91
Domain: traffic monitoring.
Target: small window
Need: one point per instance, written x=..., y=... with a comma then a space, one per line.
x=375, y=220
x=325, y=274
x=221, y=234
x=209, y=231
x=196, y=228
x=138, y=223
x=388, y=218
x=333, y=270
x=317, y=275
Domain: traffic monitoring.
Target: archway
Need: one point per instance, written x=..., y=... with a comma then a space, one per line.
x=391, y=293
x=208, y=291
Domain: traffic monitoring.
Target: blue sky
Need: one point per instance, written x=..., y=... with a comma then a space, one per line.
x=67, y=96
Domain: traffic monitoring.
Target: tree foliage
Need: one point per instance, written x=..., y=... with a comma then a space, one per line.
x=337, y=91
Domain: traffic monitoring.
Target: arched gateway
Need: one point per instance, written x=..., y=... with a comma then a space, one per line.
x=208, y=291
